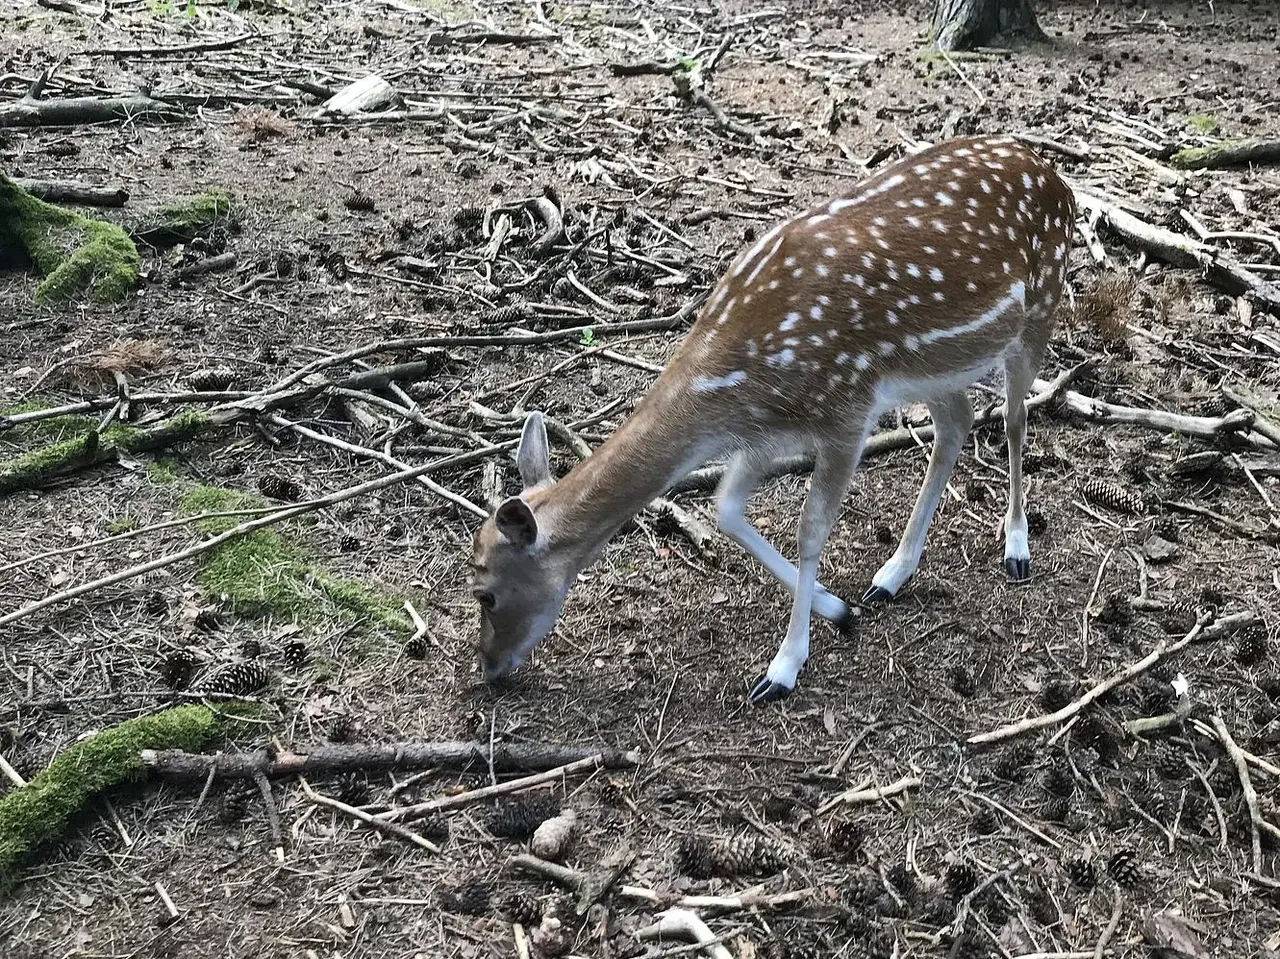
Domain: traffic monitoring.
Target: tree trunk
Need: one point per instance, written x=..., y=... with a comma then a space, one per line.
x=964, y=24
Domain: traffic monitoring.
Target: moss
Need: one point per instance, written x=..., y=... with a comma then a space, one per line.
x=51, y=429
x=120, y=524
x=41, y=809
x=75, y=255
x=163, y=472
x=64, y=456
x=265, y=574
x=1204, y=123
x=182, y=222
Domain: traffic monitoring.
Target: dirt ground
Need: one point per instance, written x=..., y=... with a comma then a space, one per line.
x=360, y=232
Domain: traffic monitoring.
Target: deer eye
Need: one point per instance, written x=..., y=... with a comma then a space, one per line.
x=485, y=598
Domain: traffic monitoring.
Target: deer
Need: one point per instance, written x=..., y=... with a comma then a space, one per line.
x=931, y=274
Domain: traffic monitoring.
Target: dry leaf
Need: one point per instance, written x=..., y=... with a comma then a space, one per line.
x=1171, y=936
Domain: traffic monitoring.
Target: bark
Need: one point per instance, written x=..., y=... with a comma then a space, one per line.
x=965, y=24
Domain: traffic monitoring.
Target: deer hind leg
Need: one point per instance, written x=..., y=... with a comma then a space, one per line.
x=741, y=477
x=1019, y=372
x=832, y=470
x=952, y=420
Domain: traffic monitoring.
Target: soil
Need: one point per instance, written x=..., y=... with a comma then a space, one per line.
x=657, y=646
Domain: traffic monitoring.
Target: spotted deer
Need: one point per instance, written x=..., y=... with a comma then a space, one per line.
x=935, y=271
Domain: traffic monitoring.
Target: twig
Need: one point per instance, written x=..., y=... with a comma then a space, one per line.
x=679, y=923
x=870, y=795
x=1014, y=817
x=273, y=817
x=1105, y=939
x=1220, y=628
x=476, y=795
x=1257, y=824
x=381, y=825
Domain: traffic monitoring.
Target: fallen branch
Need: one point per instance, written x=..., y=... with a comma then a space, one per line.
x=1237, y=424
x=1239, y=153
x=69, y=191
x=33, y=112
x=870, y=794
x=208, y=46
x=515, y=785
x=553, y=225
x=321, y=760
x=1181, y=250
x=683, y=924
x=1257, y=823
x=380, y=825
x=1202, y=630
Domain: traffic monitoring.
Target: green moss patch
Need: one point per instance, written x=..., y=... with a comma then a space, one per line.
x=75, y=255
x=40, y=810
x=266, y=574
x=184, y=221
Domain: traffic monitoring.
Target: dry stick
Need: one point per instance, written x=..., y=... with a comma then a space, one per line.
x=1004, y=811
x=681, y=923
x=243, y=529
x=273, y=817
x=1257, y=824
x=102, y=403
x=381, y=825
x=870, y=795
x=365, y=452
x=1237, y=423
x=1220, y=628
x=1105, y=939
x=319, y=760
x=475, y=795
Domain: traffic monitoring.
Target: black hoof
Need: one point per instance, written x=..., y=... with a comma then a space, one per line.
x=876, y=594
x=767, y=691
x=1019, y=570
x=845, y=623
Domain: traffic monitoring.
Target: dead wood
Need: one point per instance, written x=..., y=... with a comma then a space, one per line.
x=33, y=112
x=212, y=264
x=505, y=757
x=1178, y=249
x=70, y=191
x=208, y=46
x=1239, y=153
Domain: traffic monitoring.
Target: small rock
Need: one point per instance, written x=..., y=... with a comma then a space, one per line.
x=1157, y=549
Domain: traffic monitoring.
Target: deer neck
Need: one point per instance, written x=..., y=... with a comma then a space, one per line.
x=660, y=443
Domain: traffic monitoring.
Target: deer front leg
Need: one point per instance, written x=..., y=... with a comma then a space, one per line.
x=741, y=477
x=832, y=471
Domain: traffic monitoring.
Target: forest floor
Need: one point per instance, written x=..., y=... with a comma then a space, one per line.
x=354, y=233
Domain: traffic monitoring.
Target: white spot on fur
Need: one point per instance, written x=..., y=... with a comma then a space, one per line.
x=911, y=342
x=815, y=312
x=886, y=348
x=830, y=251
x=790, y=322
x=935, y=274
x=708, y=384
x=862, y=362
x=892, y=317
x=913, y=270
x=821, y=270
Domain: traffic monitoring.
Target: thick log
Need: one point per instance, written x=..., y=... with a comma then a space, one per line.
x=507, y=757
x=32, y=112
x=965, y=24
x=69, y=191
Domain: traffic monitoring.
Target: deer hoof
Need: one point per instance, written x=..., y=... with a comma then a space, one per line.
x=767, y=691
x=876, y=594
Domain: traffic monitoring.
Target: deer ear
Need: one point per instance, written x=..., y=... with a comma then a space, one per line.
x=532, y=457
x=517, y=523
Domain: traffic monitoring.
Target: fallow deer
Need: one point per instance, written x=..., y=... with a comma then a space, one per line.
x=938, y=269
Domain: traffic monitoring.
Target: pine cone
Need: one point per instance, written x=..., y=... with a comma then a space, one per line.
x=470, y=897
x=1113, y=497
x=1056, y=694
x=694, y=857
x=845, y=838
x=507, y=315
x=1217, y=406
x=251, y=648
x=1271, y=689
x=961, y=879
x=177, y=668
x=1013, y=764
x=522, y=908
x=519, y=819
x=902, y=880
x=862, y=890
x=961, y=680
x=1058, y=780
x=294, y=654
x=746, y=855
x=416, y=648
x=1178, y=618
x=236, y=679
x=211, y=380
x=352, y=789
x=975, y=491
x=1116, y=611
x=433, y=826
x=349, y=544
x=1253, y=647
x=1090, y=731
x=358, y=202
x=468, y=217
x=341, y=729
x=552, y=838
x=1082, y=872
x=1124, y=867
x=274, y=486
x=1057, y=809
x=235, y=799
x=985, y=821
